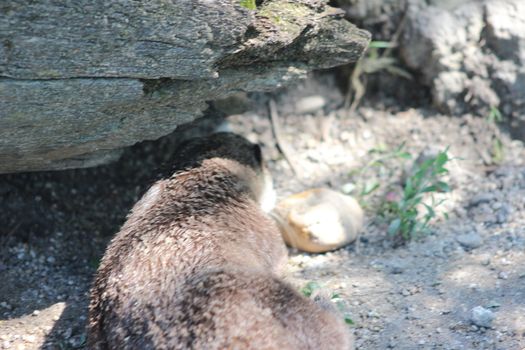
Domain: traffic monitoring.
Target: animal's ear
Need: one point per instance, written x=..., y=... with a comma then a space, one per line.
x=258, y=154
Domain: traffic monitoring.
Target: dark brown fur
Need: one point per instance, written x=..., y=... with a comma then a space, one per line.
x=196, y=265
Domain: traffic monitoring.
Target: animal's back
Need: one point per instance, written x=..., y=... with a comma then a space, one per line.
x=196, y=265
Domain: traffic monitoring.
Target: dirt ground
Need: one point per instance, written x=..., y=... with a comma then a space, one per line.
x=54, y=227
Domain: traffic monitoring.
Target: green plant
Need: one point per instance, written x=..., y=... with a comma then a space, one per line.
x=311, y=286
x=384, y=155
x=406, y=219
x=378, y=58
x=249, y=4
x=340, y=303
x=498, y=151
x=495, y=115
x=381, y=155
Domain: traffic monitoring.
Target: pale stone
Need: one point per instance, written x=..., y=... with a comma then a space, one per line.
x=319, y=220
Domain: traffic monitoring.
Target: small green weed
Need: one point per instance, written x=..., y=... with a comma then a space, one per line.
x=495, y=115
x=406, y=222
x=381, y=156
x=378, y=58
x=498, y=151
x=249, y=4
x=311, y=286
x=340, y=303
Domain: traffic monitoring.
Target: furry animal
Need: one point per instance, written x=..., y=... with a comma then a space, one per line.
x=197, y=265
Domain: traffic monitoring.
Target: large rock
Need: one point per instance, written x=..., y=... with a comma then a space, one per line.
x=471, y=54
x=79, y=80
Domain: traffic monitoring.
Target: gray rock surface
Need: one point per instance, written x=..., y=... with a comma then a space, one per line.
x=471, y=54
x=81, y=80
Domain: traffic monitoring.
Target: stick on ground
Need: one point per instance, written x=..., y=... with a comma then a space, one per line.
x=281, y=145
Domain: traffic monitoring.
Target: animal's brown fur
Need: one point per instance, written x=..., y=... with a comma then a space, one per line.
x=196, y=265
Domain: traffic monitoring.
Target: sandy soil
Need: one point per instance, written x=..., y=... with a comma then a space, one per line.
x=54, y=227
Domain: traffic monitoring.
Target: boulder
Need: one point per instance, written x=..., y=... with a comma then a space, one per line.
x=471, y=54
x=80, y=80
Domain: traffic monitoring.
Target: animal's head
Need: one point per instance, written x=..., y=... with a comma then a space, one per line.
x=240, y=156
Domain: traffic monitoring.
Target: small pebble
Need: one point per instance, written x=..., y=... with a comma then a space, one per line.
x=35, y=313
x=30, y=338
x=471, y=240
x=502, y=215
x=496, y=205
x=345, y=136
x=396, y=266
x=481, y=317
x=395, y=270
x=373, y=314
x=493, y=304
x=481, y=198
x=348, y=188
x=310, y=104
x=505, y=262
x=503, y=275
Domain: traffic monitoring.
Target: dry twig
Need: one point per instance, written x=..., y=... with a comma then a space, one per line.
x=280, y=143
